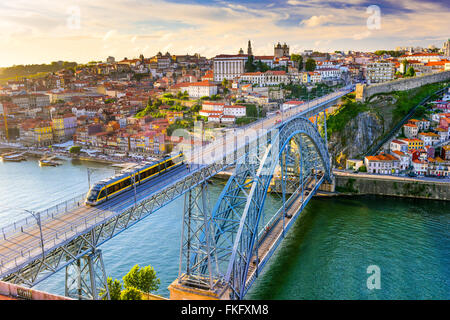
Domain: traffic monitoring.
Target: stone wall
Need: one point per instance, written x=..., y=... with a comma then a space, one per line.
x=392, y=186
x=364, y=92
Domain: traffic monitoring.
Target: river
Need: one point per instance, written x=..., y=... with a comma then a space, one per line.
x=324, y=256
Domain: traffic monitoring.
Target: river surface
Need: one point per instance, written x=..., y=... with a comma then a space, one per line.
x=324, y=256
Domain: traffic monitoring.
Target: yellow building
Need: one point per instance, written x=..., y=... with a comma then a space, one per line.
x=43, y=133
x=414, y=144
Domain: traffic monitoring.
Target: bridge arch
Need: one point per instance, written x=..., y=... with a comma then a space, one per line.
x=237, y=217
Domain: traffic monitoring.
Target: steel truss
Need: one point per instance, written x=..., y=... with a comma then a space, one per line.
x=52, y=259
x=234, y=229
x=86, y=278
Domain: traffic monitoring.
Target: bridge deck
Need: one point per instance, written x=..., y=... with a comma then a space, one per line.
x=271, y=237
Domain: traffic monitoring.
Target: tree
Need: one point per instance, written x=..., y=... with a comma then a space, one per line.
x=225, y=83
x=404, y=66
x=196, y=108
x=75, y=150
x=131, y=294
x=142, y=279
x=148, y=281
x=310, y=64
x=362, y=169
x=115, y=289
x=261, y=66
x=299, y=59
x=249, y=66
x=410, y=72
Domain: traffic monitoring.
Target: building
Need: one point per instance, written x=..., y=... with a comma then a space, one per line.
x=429, y=138
x=414, y=144
x=281, y=50
x=410, y=130
x=380, y=71
x=235, y=111
x=382, y=164
x=228, y=67
x=200, y=89
x=404, y=159
x=268, y=78
x=399, y=145
x=446, y=48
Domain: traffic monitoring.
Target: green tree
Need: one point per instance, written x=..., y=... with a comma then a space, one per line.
x=148, y=281
x=404, y=64
x=299, y=59
x=131, y=293
x=310, y=64
x=75, y=150
x=142, y=279
x=114, y=287
x=362, y=169
x=196, y=108
x=410, y=72
x=249, y=65
x=225, y=83
x=261, y=66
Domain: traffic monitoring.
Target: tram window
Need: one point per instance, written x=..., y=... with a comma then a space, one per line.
x=102, y=194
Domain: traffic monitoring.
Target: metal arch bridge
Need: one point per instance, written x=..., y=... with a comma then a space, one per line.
x=225, y=247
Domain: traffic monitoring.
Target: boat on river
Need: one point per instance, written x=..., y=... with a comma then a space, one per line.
x=49, y=162
x=13, y=156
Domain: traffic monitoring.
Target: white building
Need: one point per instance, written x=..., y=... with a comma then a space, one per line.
x=380, y=71
x=200, y=89
x=291, y=104
x=228, y=66
x=329, y=73
x=268, y=78
x=236, y=111
x=404, y=159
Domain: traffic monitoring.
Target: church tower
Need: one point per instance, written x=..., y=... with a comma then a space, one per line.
x=249, y=50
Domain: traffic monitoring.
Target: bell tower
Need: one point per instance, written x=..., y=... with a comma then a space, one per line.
x=249, y=50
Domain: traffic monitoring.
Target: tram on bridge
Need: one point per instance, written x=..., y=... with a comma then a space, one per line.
x=112, y=187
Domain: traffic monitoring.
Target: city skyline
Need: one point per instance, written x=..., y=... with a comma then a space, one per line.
x=80, y=31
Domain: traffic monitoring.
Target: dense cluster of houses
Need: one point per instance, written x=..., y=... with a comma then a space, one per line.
x=96, y=105
x=423, y=149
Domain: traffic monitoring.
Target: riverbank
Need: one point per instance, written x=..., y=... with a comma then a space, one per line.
x=386, y=185
x=39, y=153
x=351, y=184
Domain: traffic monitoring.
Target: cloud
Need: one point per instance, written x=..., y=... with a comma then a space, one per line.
x=36, y=32
x=315, y=21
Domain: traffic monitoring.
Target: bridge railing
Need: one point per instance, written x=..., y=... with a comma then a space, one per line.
x=45, y=215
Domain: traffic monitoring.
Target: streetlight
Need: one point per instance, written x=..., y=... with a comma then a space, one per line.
x=37, y=216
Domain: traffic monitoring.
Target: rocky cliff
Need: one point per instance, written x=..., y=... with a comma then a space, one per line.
x=362, y=131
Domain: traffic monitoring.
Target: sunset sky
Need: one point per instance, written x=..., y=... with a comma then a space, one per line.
x=81, y=30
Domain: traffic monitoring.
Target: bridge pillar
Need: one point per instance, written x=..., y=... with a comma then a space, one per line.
x=86, y=277
x=181, y=289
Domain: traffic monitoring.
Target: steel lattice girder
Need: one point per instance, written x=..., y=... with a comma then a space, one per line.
x=227, y=213
x=86, y=278
x=54, y=259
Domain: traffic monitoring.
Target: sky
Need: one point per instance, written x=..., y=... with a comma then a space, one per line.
x=91, y=30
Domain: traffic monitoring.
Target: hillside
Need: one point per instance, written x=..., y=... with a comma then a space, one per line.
x=357, y=126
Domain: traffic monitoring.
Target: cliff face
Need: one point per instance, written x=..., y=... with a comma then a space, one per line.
x=356, y=138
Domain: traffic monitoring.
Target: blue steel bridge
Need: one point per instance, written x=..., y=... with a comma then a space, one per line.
x=224, y=246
